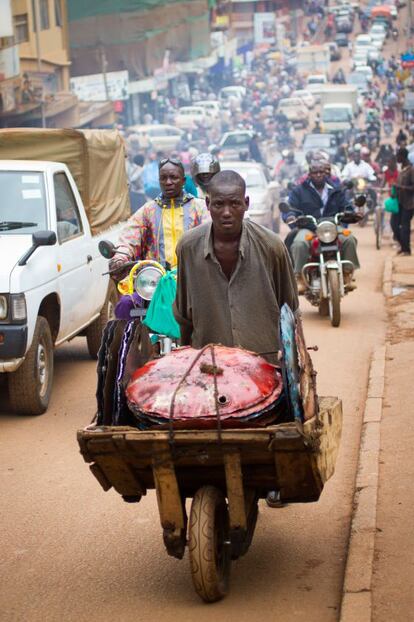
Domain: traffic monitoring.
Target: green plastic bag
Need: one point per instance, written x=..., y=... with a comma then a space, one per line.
x=391, y=204
x=160, y=318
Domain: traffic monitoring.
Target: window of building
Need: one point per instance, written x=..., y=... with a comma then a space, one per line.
x=58, y=13
x=43, y=12
x=21, y=28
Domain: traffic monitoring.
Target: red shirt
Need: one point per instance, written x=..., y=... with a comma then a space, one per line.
x=391, y=177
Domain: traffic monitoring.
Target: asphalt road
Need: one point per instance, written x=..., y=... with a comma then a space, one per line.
x=72, y=552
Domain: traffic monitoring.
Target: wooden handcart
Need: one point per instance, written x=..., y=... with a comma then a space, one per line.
x=225, y=473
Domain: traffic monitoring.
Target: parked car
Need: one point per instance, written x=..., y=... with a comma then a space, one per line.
x=191, y=117
x=306, y=96
x=296, y=111
x=162, y=137
x=262, y=192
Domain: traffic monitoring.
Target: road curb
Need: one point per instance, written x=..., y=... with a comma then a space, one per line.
x=356, y=597
x=387, y=277
x=356, y=603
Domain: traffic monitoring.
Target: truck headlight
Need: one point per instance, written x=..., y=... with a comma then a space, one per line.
x=18, y=307
x=3, y=307
x=326, y=232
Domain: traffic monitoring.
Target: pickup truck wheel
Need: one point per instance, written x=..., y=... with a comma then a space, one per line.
x=30, y=385
x=95, y=330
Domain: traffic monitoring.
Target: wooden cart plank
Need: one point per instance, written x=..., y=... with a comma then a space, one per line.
x=235, y=490
x=169, y=500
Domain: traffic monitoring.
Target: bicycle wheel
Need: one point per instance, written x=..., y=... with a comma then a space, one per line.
x=378, y=228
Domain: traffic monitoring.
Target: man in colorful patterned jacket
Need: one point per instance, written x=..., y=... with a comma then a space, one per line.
x=155, y=229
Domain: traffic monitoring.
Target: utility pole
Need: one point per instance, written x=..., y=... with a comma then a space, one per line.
x=39, y=58
x=104, y=67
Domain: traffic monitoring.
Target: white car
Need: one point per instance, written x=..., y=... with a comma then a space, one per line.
x=295, y=110
x=212, y=107
x=54, y=283
x=366, y=70
x=191, y=117
x=306, y=96
x=378, y=29
x=231, y=92
x=162, y=137
x=378, y=39
x=315, y=84
x=363, y=41
x=359, y=58
x=262, y=192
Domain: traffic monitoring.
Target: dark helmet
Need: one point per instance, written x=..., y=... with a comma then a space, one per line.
x=203, y=167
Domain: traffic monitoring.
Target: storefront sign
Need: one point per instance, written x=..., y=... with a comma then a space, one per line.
x=92, y=88
x=264, y=28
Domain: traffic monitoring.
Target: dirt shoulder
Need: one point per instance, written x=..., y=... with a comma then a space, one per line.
x=393, y=573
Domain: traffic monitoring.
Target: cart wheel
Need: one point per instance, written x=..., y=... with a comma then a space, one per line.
x=209, y=544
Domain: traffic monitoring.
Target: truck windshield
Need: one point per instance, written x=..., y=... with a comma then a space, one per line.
x=336, y=114
x=23, y=202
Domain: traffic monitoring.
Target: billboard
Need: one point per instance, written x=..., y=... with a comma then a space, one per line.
x=264, y=28
x=6, y=21
x=92, y=88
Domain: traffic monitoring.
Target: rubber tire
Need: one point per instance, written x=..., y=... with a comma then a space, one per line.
x=334, y=298
x=209, y=555
x=94, y=331
x=25, y=398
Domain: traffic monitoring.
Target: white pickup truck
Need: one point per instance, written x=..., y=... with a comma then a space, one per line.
x=52, y=285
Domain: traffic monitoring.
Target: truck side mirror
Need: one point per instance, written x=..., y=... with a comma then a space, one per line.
x=44, y=238
x=40, y=238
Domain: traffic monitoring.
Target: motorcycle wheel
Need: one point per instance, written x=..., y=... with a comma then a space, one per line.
x=334, y=298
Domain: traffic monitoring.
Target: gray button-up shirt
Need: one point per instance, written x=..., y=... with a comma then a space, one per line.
x=242, y=311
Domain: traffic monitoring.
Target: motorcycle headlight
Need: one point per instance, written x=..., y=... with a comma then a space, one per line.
x=327, y=232
x=3, y=307
x=146, y=282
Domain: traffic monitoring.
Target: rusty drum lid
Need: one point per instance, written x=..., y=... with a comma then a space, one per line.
x=189, y=383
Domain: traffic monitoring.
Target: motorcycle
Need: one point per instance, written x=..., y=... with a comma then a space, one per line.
x=359, y=187
x=395, y=34
x=137, y=290
x=324, y=273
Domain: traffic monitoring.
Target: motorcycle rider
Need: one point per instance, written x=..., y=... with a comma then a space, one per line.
x=316, y=197
x=357, y=168
x=203, y=168
x=154, y=230
x=290, y=169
